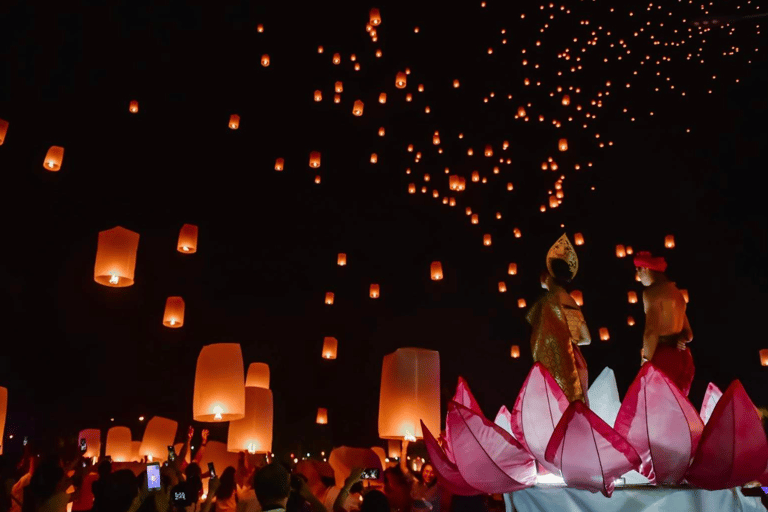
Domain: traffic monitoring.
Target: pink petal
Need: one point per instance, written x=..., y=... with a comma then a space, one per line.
x=711, y=398
x=449, y=475
x=488, y=458
x=733, y=448
x=661, y=424
x=504, y=420
x=464, y=397
x=590, y=454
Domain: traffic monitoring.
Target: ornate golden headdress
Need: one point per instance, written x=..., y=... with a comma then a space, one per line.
x=563, y=250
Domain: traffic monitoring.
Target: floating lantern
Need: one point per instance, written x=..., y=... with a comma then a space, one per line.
x=320, y=49
x=92, y=438
x=187, y=239
x=488, y=150
x=456, y=83
x=521, y=303
x=3, y=132
x=566, y=100
x=381, y=131
x=119, y=444
x=54, y=158
x=260, y=28
x=338, y=87
x=341, y=259
x=512, y=270
x=475, y=218
x=669, y=241
x=258, y=376
x=521, y=112
x=436, y=270
x=159, y=434
x=330, y=345
x=562, y=145
x=265, y=60
x=336, y=58
x=553, y=203
x=400, y=80
x=436, y=138
x=383, y=98
x=486, y=239
x=763, y=359
x=219, y=392
x=329, y=298
x=253, y=433
x=322, y=416
x=3, y=411
x=116, y=257
x=357, y=109
x=317, y=179
x=374, y=158
x=174, y=312
x=685, y=295
x=375, y=17
x=629, y=250
x=133, y=107
x=578, y=239
x=318, y=95
x=502, y=287
x=577, y=297
x=374, y=291
x=337, y=98
x=620, y=251
x=514, y=352
x=475, y=176
x=632, y=297
x=517, y=233
x=410, y=393
x=630, y=321
x=234, y=122
x=314, y=159
x=604, y=335
x=510, y=186
x=411, y=188
x=279, y=164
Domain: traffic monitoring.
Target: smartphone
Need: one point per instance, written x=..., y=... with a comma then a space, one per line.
x=211, y=470
x=171, y=453
x=153, y=476
x=83, y=445
x=370, y=474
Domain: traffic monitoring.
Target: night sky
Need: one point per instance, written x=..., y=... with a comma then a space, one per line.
x=76, y=354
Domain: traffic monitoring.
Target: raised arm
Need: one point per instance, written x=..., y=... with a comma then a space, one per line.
x=341, y=499
x=201, y=450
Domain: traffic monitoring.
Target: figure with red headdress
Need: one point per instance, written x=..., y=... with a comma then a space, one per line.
x=667, y=331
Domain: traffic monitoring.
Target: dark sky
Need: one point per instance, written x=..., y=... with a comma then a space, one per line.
x=76, y=354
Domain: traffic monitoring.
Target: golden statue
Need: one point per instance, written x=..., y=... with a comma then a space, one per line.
x=558, y=325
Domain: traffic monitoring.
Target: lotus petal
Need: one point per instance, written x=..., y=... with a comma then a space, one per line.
x=464, y=397
x=447, y=472
x=604, y=396
x=711, y=397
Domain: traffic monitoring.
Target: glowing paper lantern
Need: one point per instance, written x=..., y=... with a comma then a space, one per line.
x=187, y=239
x=411, y=188
x=279, y=164
x=3, y=132
x=374, y=292
x=375, y=17
x=383, y=98
x=577, y=297
x=630, y=321
x=322, y=416
x=566, y=100
x=258, y=376
x=3, y=410
x=410, y=392
x=119, y=444
x=314, y=159
x=336, y=58
x=341, y=259
x=116, y=257
x=265, y=60
x=669, y=241
x=330, y=345
x=562, y=145
x=234, y=122
x=512, y=270
x=488, y=150
x=436, y=270
x=515, y=352
x=253, y=433
x=92, y=438
x=620, y=251
x=604, y=335
x=764, y=357
x=393, y=448
x=329, y=298
x=521, y=112
x=159, y=434
x=553, y=202
x=219, y=392
x=174, y=312
x=578, y=239
x=475, y=218
x=400, y=80
x=517, y=233
x=502, y=287
x=133, y=107
x=521, y=303
x=487, y=239
x=357, y=109
x=632, y=297
x=54, y=158
x=318, y=95
x=374, y=158
x=338, y=87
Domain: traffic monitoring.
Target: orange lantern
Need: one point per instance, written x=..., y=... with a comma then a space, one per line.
x=456, y=83
x=562, y=145
x=54, y=158
x=253, y=433
x=517, y=233
x=320, y=49
x=337, y=98
x=578, y=239
x=375, y=17
x=330, y=346
x=279, y=164
x=632, y=297
x=258, y=376
x=338, y=87
x=357, y=109
x=92, y=438
x=187, y=239
x=411, y=188
x=475, y=218
x=486, y=239
x=436, y=138
x=630, y=321
x=620, y=251
x=400, y=80
x=174, y=312
x=260, y=28
x=515, y=352
x=329, y=298
x=393, y=448
x=3, y=132
x=553, y=203
x=510, y=186
x=502, y=287
x=764, y=357
x=604, y=335
x=521, y=303
x=629, y=250
x=234, y=122
x=116, y=257
x=383, y=98
x=488, y=150
x=159, y=434
x=119, y=444
x=566, y=100
x=341, y=259
x=381, y=131
x=512, y=269
x=318, y=95
x=336, y=58
x=374, y=292
x=520, y=112
x=219, y=391
x=3, y=410
x=475, y=176
x=322, y=416
x=577, y=297
x=133, y=107
x=685, y=295
x=669, y=241
x=374, y=158
x=436, y=270
x=314, y=159
x=317, y=179
x=265, y=60
x=410, y=393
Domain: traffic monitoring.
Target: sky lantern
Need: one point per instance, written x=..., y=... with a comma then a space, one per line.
x=553, y=202
x=562, y=145
x=487, y=239
x=258, y=375
x=314, y=159
x=92, y=438
x=512, y=269
x=410, y=393
x=338, y=87
x=436, y=271
x=133, y=107
x=54, y=158
x=341, y=259
x=260, y=28
x=336, y=58
x=632, y=297
x=411, y=188
x=502, y=287
x=488, y=150
x=119, y=444
x=374, y=291
x=375, y=17
x=763, y=361
x=374, y=158
x=456, y=83
x=578, y=239
x=621, y=252
x=382, y=131
x=318, y=95
x=329, y=298
x=474, y=218
x=279, y=164
x=436, y=138
x=521, y=303
x=174, y=312
x=322, y=416
x=3, y=132
x=3, y=411
x=514, y=352
x=510, y=186
x=383, y=98
x=520, y=112
x=187, y=239
x=400, y=80
x=330, y=346
x=630, y=321
x=475, y=176
x=566, y=100
x=159, y=434
x=265, y=60
x=253, y=433
x=517, y=233
x=629, y=250
x=116, y=257
x=219, y=391
x=234, y=122
x=604, y=335
x=669, y=241
x=357, y=109
x=577, y=297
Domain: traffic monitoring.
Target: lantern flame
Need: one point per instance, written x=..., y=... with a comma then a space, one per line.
x=114, y=279
x=217, y=411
